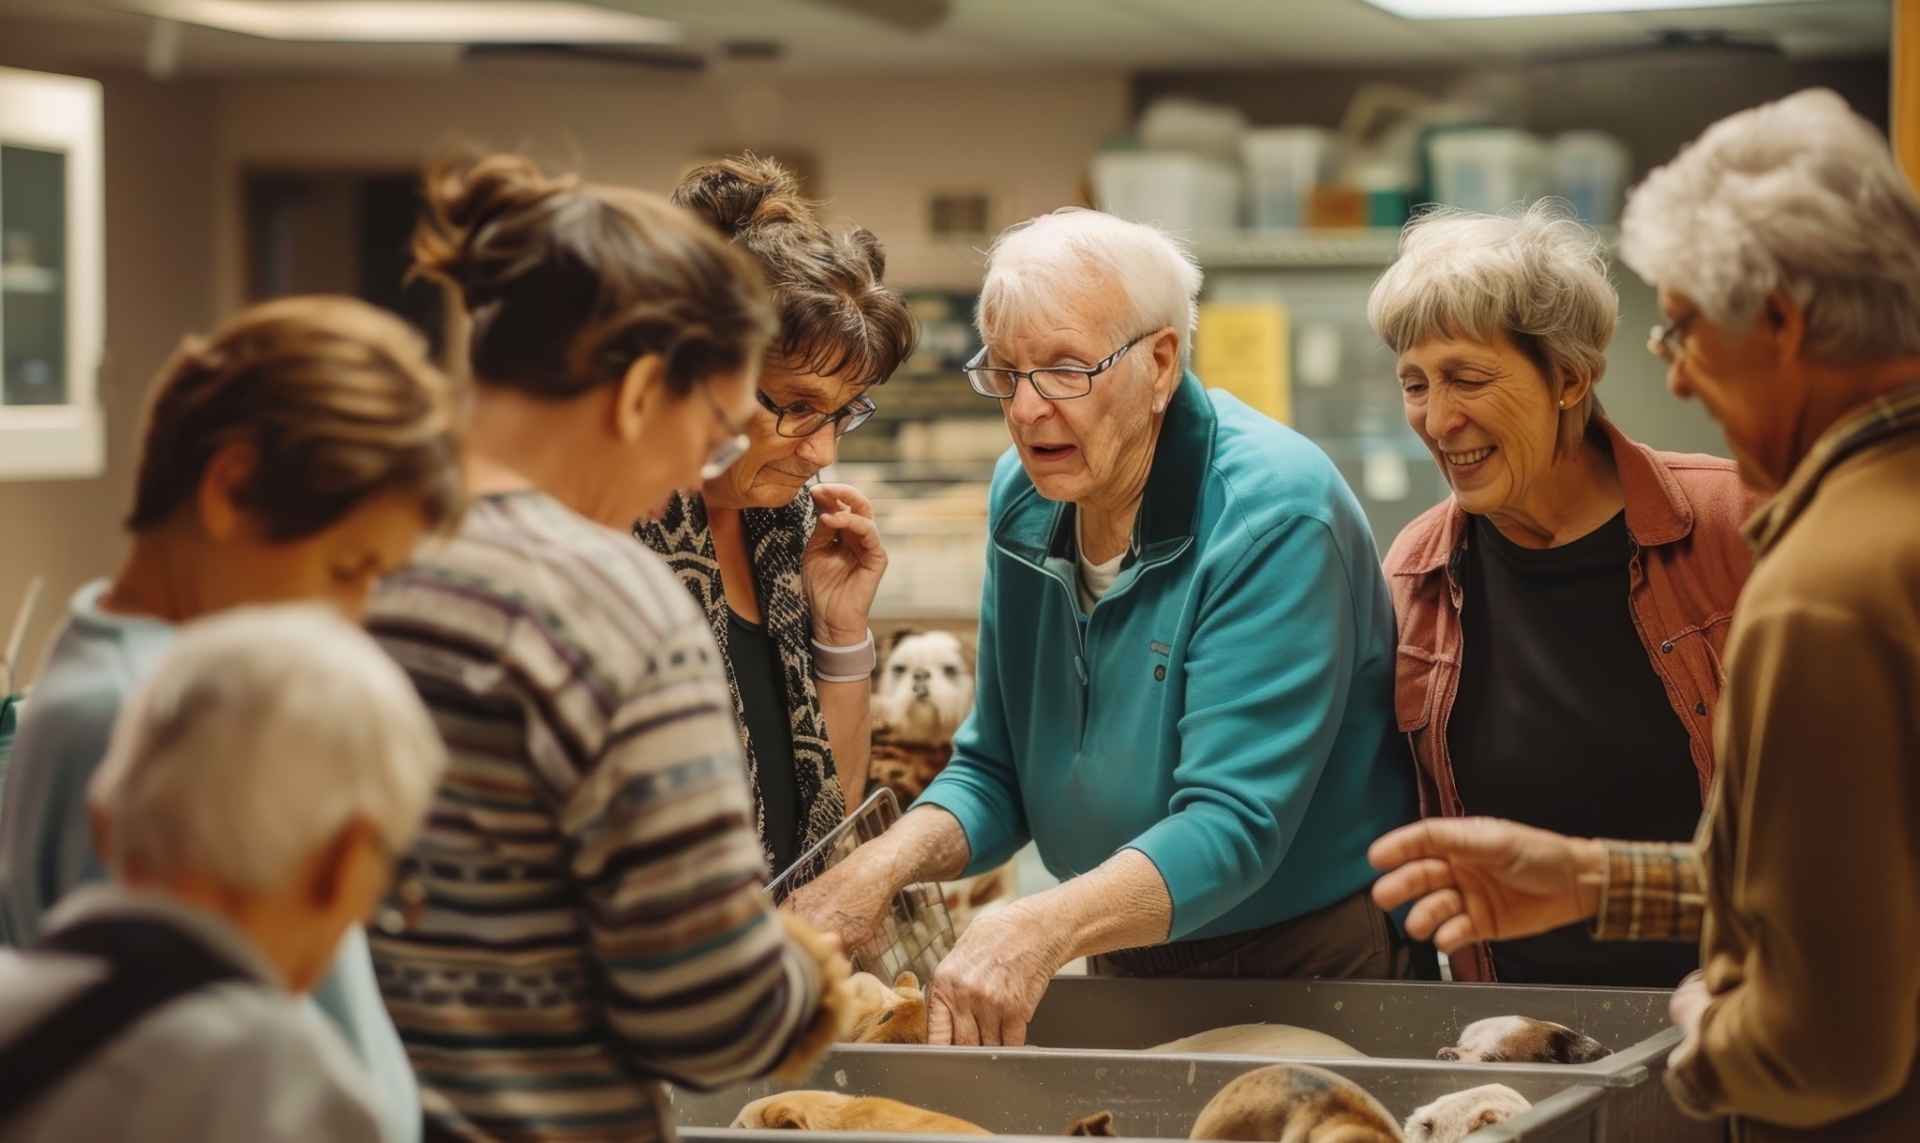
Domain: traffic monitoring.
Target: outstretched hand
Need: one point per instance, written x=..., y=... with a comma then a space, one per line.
x=1483, y=879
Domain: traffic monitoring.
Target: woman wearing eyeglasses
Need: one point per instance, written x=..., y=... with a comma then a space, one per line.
x=1562, y=614
x=787, y=573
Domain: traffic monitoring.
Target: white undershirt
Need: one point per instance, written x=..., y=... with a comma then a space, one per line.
x=1095, y=579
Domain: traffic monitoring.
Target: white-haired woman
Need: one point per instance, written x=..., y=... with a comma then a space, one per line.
x=1185, y=663
x=247, y=828
x=1562, y=613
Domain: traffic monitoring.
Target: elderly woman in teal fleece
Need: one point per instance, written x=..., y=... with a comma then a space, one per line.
x=1185, y=666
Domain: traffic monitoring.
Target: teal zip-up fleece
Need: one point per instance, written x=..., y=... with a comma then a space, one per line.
x=1226, y=709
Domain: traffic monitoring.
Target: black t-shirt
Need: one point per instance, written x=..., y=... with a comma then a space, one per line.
x=1561, y=722
x=763, y=697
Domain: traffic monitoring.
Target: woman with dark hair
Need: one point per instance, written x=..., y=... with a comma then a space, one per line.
x=785, y=573
x=582, y=917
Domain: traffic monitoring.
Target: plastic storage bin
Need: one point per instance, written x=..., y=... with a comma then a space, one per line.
x=1283, y=165
x=1178, y=192
x=1488, y=168
x=1590, y=171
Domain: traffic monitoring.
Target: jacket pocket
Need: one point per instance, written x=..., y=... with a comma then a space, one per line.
x=1416, y=680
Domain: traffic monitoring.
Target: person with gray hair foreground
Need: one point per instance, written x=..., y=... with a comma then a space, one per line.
x=1185, y=664
x=253, y=795
x=1786, y=247
x=1562, y=613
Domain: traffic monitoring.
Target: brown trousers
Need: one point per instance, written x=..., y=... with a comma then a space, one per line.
x=1350, y=939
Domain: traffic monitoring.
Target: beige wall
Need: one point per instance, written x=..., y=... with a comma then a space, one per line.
x=878, y=144
x=159, y=173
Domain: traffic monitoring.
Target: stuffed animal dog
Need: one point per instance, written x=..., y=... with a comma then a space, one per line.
x=1296, y=1103
x=1452, y=1118
x=922, y=694
x=1259, y=1040
x=832, y=1111
x=1522, y=1040
x=883, y=1015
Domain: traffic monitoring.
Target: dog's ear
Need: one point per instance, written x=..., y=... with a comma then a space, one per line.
x=1487, y=1118
x=782, y=1117
x=967, y=652
x=907, y=980
x=1570, y=1047
x=1099, y=1123
x=901, y=636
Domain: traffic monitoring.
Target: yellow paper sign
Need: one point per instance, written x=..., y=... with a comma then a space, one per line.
x=1242, y=347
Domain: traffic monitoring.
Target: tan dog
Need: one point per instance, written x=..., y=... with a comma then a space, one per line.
x=830, y=1023
x=1452, y=1118
x=1100, y=1123
x=1522, y=1040
x=896, y=1015
x=1259, y=1040
x=831, y=1111
x=1296, y=1103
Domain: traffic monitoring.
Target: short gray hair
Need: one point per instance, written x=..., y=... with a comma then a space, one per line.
x=1537, y=275
x=257, y=739
x=1800, y=195
x=1034, y=264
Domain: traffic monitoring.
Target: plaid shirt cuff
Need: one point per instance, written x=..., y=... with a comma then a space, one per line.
x=1653, y=892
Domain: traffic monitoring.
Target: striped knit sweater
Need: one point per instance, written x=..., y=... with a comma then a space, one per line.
x=593, y=919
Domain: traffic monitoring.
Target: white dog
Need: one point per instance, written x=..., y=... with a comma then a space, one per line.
x=924, y=691
x=1452, y=1118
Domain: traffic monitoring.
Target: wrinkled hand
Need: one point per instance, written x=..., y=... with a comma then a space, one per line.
x=987, y=988
x=842, y=565
x=849, y=901
x=1482, y=879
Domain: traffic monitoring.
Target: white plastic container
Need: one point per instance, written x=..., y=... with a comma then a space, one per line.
x=1284, y=164
x=1177, y=192
x=1488, y=168
x=1590, y=171
x=1178, y=123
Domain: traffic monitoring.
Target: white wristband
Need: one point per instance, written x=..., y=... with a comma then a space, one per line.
x=853, y=664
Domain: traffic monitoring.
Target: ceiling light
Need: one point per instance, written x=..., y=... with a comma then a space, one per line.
x=416, y=21
x=1480, y=9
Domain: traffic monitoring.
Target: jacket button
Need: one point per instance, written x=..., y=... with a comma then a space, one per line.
x=1666, y=648
x=1159, y=674
x=1699, y=708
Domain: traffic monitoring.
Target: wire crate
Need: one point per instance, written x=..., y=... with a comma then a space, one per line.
x=916, y=932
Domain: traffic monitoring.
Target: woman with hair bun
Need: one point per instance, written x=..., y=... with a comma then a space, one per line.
x=582, y=916
x=786, y=573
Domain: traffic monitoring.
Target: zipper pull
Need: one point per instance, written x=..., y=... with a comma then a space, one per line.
x=1080, y=665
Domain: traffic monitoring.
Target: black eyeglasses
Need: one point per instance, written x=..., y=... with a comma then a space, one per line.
x=1056, y=383
x=1668, y=340
x=801, y=420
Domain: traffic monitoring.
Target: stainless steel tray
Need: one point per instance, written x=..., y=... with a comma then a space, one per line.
x=1087, y=1032
x=1384, y=1019
x=1037, y=1092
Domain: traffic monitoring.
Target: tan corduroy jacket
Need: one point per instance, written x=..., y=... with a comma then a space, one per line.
x=1811, y=849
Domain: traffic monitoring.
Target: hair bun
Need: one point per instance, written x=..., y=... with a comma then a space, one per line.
x=465, y=196
x=745, y=193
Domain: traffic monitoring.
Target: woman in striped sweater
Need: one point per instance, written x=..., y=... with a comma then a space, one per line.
x=582, y=916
